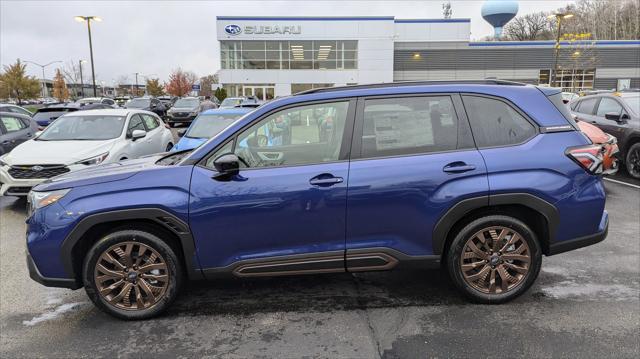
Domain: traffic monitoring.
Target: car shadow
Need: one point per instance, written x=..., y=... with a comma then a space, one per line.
x=317, y=293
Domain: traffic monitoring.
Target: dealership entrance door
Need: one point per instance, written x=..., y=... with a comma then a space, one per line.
x=263, y=93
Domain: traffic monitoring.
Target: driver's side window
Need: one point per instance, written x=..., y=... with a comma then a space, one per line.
x=307, y=134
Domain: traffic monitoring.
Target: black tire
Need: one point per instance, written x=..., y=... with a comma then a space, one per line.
x=632, y=161
x=457, y=248
x=152, y=241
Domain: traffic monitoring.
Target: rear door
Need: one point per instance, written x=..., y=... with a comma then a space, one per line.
x=154, y=133
x=17, y=131
x=413, y=158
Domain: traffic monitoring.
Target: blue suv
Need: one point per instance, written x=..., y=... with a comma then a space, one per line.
x=482, y=178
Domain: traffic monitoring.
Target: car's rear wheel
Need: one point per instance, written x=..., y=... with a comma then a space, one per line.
x=494, y=259
x=633, y=160
x=132, y=274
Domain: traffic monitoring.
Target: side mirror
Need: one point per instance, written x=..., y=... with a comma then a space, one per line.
x=613, y=116
x=227, y=165
x=181, y=132
x=136, y=134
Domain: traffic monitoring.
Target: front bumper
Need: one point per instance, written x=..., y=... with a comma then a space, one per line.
x=35, y=274
x=571, y=244
x=173, y=118
x=16, y=187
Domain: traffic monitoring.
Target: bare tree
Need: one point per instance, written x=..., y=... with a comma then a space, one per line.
x=534, y=26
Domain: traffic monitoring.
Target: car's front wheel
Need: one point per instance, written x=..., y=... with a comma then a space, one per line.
x=633, y=161
x=494, y=259
x=132, y=274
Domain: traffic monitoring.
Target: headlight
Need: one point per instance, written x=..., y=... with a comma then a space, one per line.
x=194, y=113
x=42, y=199
x=3, y=163
x=93, y=160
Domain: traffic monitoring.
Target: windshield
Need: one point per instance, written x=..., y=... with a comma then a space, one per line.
x=187, y=102
x=207, y=126
x=633, y=102
x=139, y=103
x=231, y=102
x=88, y=128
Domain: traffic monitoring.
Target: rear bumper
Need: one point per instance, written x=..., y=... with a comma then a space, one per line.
x=35, y=274
x=571, y=244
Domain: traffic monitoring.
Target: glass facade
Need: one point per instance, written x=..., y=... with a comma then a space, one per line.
x=289, y=55
x=295, y=88
x=571, y=80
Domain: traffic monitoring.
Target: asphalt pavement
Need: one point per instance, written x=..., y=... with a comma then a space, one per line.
x=585, y=304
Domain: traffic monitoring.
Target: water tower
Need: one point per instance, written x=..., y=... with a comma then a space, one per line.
x=498, y=13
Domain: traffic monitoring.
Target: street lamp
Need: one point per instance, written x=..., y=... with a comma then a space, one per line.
x=44, y=86
x=88, y=20
x=80, y=62
x=558, y=17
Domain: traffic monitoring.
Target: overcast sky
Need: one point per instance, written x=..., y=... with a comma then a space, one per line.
x=154, y=37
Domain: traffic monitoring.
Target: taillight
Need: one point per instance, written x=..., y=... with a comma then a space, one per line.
x=588, y=157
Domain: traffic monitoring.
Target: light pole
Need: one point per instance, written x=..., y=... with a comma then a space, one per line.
x=141, y=75
x=80, y=62
x=44, y=86
x=88, y=20
x=559, y=17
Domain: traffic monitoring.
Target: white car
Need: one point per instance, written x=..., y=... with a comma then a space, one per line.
x=81, y=139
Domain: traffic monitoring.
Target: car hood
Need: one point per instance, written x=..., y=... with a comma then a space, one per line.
x=99, y=174
x=34, y=152
x=187, y=143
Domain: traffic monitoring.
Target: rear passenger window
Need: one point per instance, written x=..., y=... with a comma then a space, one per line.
x=586, y=106
x=495, y=123
x=12, y=124
x=150, y=122
x=409, y=125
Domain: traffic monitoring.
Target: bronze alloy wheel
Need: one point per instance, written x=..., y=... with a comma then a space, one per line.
x=495, y=260
x=131, y=276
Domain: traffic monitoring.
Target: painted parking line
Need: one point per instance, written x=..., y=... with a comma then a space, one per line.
x=623, y=183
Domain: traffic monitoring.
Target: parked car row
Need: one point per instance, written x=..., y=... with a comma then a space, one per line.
x=74, y=141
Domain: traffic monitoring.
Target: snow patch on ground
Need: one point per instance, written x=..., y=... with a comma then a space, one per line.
x=64, y=308
x=587, y=291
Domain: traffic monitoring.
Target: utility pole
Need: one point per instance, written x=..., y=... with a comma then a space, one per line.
x=559, y=17
x=44, y=85
x=93, y=73
x=81, y=80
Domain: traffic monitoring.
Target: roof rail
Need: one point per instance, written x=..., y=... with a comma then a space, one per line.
x=410, y=83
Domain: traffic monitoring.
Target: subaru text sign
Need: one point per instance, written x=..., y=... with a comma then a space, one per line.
x=263, y=29
x=195, y=87
x=232, y=29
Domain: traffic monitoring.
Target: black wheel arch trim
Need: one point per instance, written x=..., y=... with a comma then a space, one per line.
x=161, y=217
x=462, y=208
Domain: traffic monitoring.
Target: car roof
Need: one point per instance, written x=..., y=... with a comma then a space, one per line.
x=223, y=111
x=112, y=112
x=14, y=114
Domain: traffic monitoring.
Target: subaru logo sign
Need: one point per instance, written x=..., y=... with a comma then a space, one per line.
x=37, y=168
x=232, y=29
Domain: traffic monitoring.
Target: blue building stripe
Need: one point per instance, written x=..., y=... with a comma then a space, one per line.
x=306, y=18
x=552, y=43
x=417, y=21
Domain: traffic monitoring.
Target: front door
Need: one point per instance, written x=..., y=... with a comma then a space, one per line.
x=13, y=131
x=413, y=159
x=285, y=211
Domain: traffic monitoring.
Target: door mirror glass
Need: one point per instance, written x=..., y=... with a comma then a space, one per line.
x=136, y=134
x=613, y=116
x=227, y=165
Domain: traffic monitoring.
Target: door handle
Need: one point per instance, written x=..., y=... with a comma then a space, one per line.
x=458, y=167
x=325, y=180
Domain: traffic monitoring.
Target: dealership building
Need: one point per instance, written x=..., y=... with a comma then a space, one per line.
x=277, y=56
